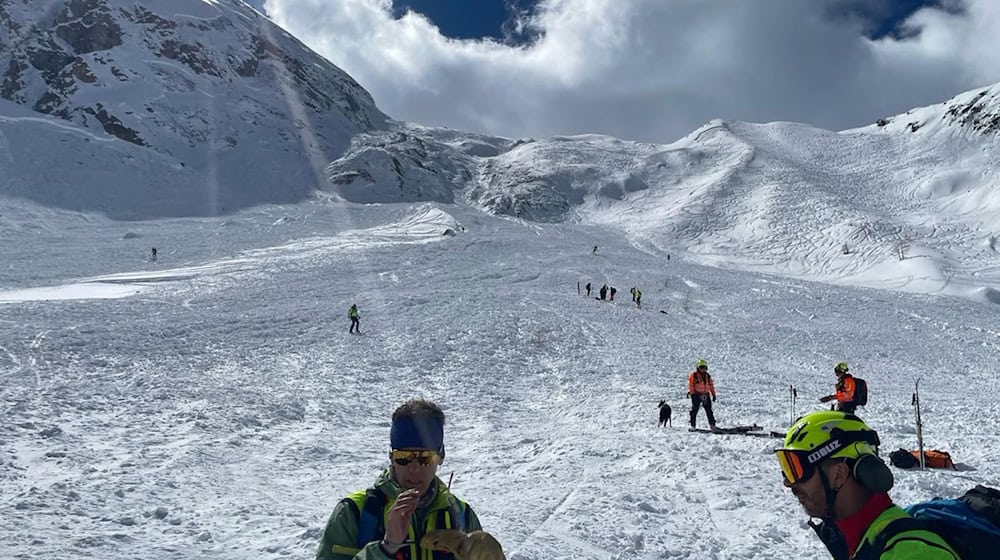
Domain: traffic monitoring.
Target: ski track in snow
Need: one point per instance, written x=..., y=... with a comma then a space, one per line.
x=219, y=409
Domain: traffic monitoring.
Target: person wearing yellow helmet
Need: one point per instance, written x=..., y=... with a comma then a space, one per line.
x=701, y=389
x=830, y=462
x=844, y=389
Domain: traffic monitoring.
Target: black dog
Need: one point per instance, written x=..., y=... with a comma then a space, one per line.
x=665, y=413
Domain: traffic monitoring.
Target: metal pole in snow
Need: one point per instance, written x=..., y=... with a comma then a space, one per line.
x=920, y=425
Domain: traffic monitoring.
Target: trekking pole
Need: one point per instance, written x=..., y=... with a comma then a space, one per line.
x=920, y=425
x=792, y=395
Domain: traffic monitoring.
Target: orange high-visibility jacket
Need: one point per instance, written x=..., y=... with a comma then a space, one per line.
x=699, y=384
x=845, y=389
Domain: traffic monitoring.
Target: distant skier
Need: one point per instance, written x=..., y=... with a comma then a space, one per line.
x=152, y=257
x=638, y=299
x=594, y=252
x=588, y=289
x=352, y=314
x=604, y=292
x=632, y=291
x=613, y=292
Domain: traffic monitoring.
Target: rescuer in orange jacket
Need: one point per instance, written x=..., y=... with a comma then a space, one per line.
x=700, y=388
x=844, y=388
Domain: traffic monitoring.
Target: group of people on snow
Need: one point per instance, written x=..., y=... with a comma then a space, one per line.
x=605, y=291
x=701, y=391
x=828, y=459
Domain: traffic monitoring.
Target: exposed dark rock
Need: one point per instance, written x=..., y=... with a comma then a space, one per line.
x=13, y=26
x=245, y=68
x=146, y=17
x=113, y=126
x=49, y=103
x=12, y=83
x=49, y=58
x=189, y=55
x=82, y=72
x=982, y=114
x=348, y=177
x=87, y=25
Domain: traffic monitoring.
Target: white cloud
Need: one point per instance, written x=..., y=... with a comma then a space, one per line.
x=648, y=69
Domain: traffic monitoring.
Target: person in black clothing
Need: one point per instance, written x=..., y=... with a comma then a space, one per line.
x=604, y=292
x=588, y=289
x=153, y=256
x=613, y=292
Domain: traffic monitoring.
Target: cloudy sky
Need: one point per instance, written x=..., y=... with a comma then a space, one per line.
x=650, y=70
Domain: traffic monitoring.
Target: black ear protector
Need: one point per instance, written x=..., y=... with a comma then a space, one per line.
x=868, y=469
x=873, y=473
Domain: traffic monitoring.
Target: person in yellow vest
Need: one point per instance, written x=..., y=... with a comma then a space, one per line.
x=352, y=314
x=830, y=462
x=408, y=500
x=701, y=389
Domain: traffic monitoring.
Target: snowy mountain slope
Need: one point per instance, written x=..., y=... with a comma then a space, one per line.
x=212, y=405
x=969, y=114
x=70, y=166
x=214, y=86
x=227, y=112
x=778, y=197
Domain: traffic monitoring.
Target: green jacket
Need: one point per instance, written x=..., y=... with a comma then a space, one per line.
x=915, y=544
x=352, y=312
x=339, y=540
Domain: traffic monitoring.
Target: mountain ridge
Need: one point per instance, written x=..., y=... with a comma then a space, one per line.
x=239, y=129
x=214, y=85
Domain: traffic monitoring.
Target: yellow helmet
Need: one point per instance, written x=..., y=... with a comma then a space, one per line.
x=841, y=366
x=819, y=436
x=701, y=363
x=837, y=434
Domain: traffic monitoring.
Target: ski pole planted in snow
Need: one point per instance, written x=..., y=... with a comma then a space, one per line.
x=792, y=395
x=920, y=425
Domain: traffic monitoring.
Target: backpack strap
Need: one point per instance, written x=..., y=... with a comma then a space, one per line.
x=832, y=538
x=887, y=538
x=370, y=522
x=460, y=515
x=367, y=511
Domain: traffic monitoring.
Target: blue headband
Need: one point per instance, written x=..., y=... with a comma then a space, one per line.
x=410, y=432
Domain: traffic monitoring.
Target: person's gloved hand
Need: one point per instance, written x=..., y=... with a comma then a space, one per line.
x=827, y=398
x=713, y=398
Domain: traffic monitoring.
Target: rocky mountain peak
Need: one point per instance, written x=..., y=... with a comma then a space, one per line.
x=113, y=64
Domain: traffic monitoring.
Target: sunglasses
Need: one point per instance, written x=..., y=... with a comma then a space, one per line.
x=403, y=458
